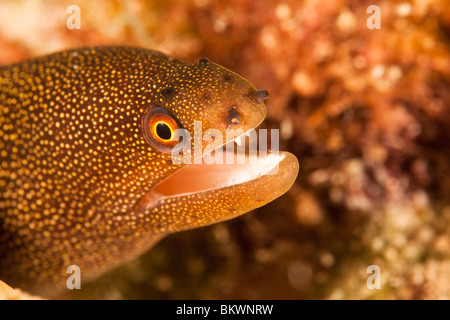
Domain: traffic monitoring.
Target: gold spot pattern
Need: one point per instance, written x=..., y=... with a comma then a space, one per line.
x=74, y=162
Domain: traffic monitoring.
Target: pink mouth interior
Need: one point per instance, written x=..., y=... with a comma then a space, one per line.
x=195, y=178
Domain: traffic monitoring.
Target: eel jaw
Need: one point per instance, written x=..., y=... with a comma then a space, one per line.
x=197, y=178
x=203, y=194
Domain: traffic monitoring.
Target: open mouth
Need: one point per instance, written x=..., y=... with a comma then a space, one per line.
x=236, y=167
x=196, y=178
x=201, y=194
x=262, y=175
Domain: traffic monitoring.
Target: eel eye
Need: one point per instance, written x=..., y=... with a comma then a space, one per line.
x=159, y=126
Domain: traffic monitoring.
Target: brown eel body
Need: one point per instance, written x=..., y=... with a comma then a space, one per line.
x=84, y=181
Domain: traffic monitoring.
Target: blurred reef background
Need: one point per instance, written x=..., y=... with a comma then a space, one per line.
x=367, y=113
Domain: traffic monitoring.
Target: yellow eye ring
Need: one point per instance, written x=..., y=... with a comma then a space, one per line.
x=158, y=127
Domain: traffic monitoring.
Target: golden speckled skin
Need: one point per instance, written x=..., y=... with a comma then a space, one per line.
x=74, y=162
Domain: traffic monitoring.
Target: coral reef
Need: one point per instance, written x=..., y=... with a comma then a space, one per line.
x=366, y=111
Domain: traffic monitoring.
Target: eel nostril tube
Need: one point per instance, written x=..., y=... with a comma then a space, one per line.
x=259, y=95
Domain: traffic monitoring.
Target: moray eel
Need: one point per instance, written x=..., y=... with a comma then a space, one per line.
x=86, y=174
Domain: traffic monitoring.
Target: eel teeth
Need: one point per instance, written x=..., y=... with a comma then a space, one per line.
x=238, y=141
